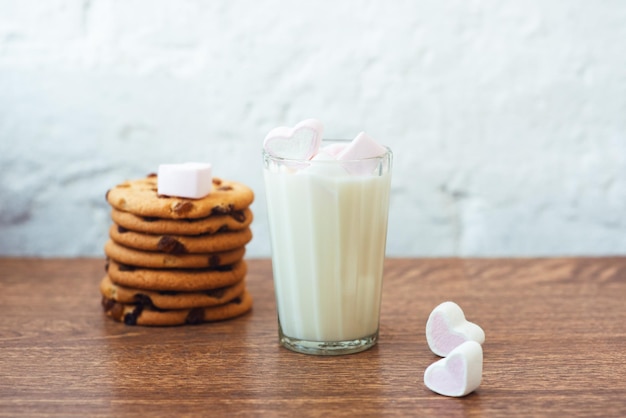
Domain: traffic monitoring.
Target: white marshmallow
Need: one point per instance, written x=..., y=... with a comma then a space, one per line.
x=324, y=164
x=458, y=374
x=334, y=149
x=447, y=328
x=323, y=155
x=189, y=180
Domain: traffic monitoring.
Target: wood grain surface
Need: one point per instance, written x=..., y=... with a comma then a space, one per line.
x=555, y=346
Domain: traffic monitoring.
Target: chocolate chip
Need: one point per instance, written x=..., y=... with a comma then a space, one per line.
x=143, y=300
x=208, y=269
x=117, y=311
x=112, y=308
x=215, y=293
x=222, y=210
x=171, y=245
x=163, y=196
x=151, y=175
x=126, y=267
x=223, y=228
x=107, y=304
x=182, y=208
x=223, y=268
x=225, y=188
x=195, y=316
x=121, y=229
x=236, y=301
x=168, y=292
x=131, y=317
x=214, y=260
x=217, y=181
x=239, y=216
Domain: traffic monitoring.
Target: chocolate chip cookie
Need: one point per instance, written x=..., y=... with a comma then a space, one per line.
x=140, y=258
x=170, y=299
x=180, y=244
x=182, y=280
x=140, y=314
x=234, y=221
x=140, y=197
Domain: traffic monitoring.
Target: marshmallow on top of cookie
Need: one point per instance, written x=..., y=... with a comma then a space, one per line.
x=189, y=180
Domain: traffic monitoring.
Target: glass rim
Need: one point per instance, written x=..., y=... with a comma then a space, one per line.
x=388, y=154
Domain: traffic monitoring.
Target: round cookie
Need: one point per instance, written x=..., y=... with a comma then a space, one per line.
x=180, y=244
x=169, y=299
x=140, y=197
x=142, y=315
x=140, y=258
x=179, y=280
x=234, y=221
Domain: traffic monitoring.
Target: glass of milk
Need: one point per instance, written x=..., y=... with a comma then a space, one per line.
x=328, y=228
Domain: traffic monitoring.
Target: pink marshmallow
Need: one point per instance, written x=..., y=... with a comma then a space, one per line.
x=459, y=374
x=447, y=328
x=189, y=180
x=359, y=155
x=363, y=146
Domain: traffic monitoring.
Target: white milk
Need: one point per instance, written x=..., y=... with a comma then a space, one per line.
x=328, y=237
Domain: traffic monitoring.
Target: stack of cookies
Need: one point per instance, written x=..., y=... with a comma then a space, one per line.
x=174, y=261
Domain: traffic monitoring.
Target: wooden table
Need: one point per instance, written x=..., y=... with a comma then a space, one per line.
x=555, y=346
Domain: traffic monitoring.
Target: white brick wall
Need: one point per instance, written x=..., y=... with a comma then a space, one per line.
x=507, y=118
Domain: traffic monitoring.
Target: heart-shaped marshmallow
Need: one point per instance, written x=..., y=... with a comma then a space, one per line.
x=447, y=328
x=298, y=143
x=458, y=374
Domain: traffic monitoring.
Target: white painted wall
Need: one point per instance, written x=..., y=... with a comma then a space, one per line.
x=507, y=118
